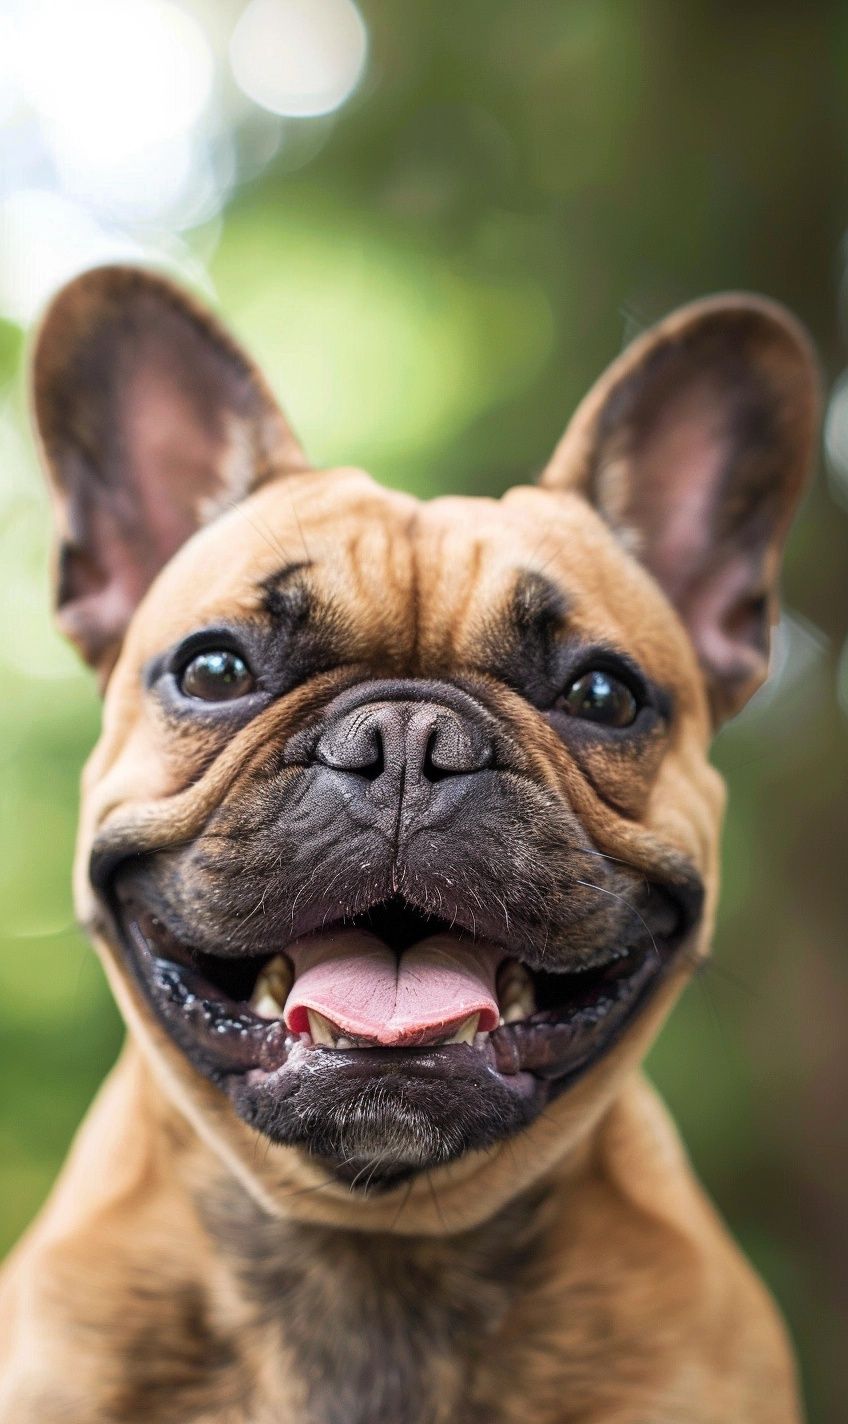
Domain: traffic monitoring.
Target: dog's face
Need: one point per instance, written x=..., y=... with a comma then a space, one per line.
x=401, y=835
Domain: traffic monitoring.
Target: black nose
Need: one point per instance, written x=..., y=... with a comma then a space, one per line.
x=405, y=742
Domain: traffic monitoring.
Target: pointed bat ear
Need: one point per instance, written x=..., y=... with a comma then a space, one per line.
x=150, y=420
x=695, y=447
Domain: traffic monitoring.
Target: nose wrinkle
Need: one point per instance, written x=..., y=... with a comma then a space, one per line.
x=364, y=746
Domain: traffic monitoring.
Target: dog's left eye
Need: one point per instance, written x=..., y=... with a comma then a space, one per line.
x=217, y=675
x=599, y=696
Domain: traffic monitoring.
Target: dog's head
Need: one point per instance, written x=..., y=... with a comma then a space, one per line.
x=401, y=835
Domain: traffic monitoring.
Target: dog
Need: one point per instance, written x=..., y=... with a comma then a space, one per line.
x=399, y=843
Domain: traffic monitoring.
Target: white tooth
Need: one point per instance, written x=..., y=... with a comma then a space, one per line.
x=321, y=1029
x=277, y=991
x=466, y=1031
x=263, y=991
x=272, y=988
x=279, y=973
x=515, y=992
x=265, y=1005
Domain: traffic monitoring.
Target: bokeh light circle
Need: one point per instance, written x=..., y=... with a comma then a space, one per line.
x=299, y=58
x=116, y=76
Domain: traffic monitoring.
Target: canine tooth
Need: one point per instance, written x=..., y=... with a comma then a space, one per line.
x=516, y=995
x=272, y=988
x=264, y=999
x=321, y=1029
x=466, y=1031
x=278, y=971
x=266, y=1006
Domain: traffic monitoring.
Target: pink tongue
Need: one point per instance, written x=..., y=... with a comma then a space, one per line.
x=357, y=982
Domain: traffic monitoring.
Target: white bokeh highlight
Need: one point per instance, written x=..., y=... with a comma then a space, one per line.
x=117, y=76
x=836, y=440
x=45, y=239
x=124, y=133
x=299, y=58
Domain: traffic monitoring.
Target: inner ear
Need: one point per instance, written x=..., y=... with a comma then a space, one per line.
x=151, y=420
x=695, y=447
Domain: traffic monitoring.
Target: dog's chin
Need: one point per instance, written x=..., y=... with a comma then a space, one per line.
x=374, y=1117
x=371, y=1113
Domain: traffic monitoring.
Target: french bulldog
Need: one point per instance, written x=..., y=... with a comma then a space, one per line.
x=398, y=845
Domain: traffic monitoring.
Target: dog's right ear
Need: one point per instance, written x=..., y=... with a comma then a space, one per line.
x=695, y=447
x=151, y=421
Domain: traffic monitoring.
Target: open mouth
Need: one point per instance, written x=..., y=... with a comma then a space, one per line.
x=395, y=984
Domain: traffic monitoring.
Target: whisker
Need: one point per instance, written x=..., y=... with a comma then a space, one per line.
x=603, y=855
x=300, y=532
x=267, y=535
x=437, y=1204
x=316, y=1186
x=396, y=1217
x=615, y=896
x=712, y=969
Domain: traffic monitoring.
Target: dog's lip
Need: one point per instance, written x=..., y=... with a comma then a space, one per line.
x=228, y=1039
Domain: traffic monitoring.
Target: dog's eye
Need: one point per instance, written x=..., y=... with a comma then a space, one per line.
x=599, y=696
x=218, y=675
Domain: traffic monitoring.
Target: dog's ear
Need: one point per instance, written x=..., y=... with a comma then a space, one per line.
x=151, y=420
x=695, y=447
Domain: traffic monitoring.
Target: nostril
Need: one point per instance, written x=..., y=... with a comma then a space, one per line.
x=376, y=766
x=369, y=770
x=451, y=752
x=431, y=770
x=357, y=747
x=423, y=741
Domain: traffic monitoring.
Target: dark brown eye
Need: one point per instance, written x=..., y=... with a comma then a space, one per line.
x=599, y=696
x=218, y=675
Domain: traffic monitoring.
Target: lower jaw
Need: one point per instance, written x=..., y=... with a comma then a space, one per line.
x=374, y=1116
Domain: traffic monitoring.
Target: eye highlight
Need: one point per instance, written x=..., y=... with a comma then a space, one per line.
x=599, y=696
x=216, y=675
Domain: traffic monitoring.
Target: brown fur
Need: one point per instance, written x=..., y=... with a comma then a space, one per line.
x=185, y=1269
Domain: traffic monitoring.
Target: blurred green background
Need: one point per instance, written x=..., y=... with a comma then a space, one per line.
x=435, y=225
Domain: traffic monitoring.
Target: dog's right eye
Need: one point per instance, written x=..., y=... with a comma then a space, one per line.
x=217, y=675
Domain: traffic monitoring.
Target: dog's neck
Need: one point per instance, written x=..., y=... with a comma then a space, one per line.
x=375, y=1328
x=218, y=1309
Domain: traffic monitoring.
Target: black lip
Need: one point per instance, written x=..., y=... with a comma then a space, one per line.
x=431, y=1105
x=223, y=1037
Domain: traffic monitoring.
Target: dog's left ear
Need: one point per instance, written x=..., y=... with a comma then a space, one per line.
x=695, y=447
x=151, y=420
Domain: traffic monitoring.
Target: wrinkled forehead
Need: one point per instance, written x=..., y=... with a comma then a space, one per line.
x=426, y=579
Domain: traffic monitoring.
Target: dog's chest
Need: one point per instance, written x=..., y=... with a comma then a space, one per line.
x=362, y=1329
